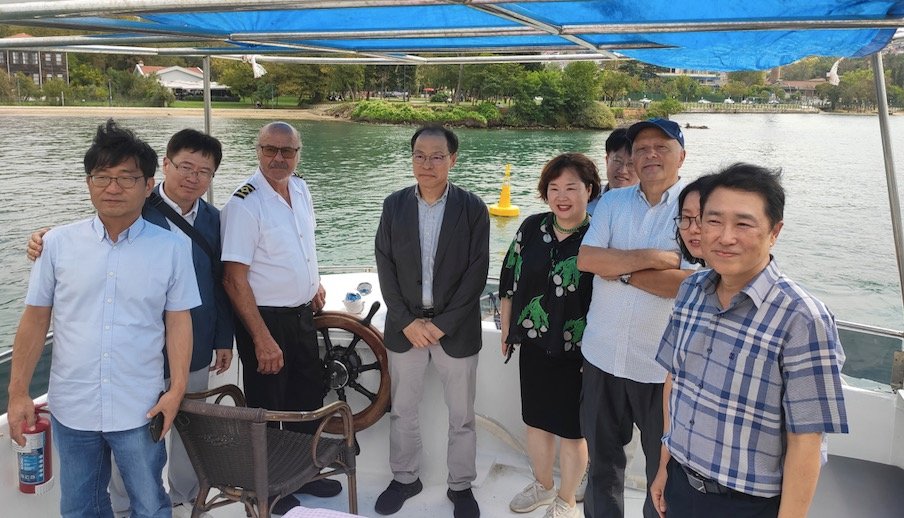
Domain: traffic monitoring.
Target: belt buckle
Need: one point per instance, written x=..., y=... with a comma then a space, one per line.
x=427, y=313
x=694, y=481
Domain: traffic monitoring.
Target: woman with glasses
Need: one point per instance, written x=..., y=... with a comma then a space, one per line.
x=688, y=222
x=544, y=306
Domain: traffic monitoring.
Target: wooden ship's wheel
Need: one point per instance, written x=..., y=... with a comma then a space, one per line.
x=347, y=360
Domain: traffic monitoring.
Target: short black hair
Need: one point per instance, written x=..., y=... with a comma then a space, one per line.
x=751, y=178
x=581, y=164
x=696, y=186
x=439, y=131
x=196, y=141
x=618, y=140
x=113, y=145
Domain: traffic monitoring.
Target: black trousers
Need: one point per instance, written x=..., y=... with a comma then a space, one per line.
x=299, y=385
x=610, y=407
x=683, y=501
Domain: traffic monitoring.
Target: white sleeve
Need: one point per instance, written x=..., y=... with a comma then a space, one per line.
x=239, y=232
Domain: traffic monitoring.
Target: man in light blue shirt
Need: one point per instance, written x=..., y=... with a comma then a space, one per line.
x=117, y=289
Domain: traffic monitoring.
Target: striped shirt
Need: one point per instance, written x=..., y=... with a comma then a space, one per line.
x=744, y=376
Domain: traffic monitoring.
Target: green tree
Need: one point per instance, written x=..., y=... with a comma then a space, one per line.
x=346, y=79
x=830, y=93
x=25, y=88
x=689, y=89
x=6, y=87
x=734, y=89
x=857, y=89
x=56, y=90
x=748, y=77
x=665, y=108
x=580, y=86
x=615, y=85
x=238, y=76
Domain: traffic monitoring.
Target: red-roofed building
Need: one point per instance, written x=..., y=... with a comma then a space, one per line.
x=184, y=81
x=39, y=66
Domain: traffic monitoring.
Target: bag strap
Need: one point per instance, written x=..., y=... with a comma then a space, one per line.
x=174, y=217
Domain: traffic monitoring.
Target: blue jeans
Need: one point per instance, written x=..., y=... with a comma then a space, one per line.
x=85, y=471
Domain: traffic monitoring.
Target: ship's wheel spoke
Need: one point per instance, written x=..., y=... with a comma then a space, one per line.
x=363, y=391
x=327, y=341
x=369, y=367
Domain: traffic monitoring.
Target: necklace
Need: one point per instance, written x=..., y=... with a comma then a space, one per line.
x=555, y=223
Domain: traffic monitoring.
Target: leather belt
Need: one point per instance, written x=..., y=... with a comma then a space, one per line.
x=711, y=487
x=279, y=309
x=427, y=313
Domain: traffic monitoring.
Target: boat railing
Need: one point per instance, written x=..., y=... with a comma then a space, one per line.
x=41, y=375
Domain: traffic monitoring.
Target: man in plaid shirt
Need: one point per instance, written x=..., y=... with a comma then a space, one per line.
x=754, y=368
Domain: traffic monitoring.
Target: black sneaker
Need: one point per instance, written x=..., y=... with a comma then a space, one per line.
x=391, y=500
x=465, y=505
x=323, y=488
x=284, y=505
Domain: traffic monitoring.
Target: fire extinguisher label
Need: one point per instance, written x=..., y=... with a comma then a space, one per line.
x=31, y=459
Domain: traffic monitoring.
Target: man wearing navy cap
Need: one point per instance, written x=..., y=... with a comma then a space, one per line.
x=631, y=249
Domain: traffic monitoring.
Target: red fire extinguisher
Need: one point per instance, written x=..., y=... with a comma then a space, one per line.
x=36, y=457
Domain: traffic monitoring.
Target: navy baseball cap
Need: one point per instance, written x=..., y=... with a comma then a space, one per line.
x=670, y=128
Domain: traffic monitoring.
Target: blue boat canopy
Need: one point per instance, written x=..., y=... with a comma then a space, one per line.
x=702, y=34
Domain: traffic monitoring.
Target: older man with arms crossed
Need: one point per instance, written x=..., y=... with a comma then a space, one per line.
x=271, y=276
x=754, y=368
x=432, y=251
x=631, y=248
x=118, y=290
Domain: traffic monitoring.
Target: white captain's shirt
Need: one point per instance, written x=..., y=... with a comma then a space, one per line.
x=259, y=229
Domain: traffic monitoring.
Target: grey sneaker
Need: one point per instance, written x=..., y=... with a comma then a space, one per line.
x=560, y=509
x=532, y=497
x=582, y=486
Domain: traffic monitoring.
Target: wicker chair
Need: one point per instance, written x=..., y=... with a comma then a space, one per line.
x=234, y=451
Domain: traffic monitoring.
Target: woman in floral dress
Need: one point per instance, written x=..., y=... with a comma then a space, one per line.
x=544, y=307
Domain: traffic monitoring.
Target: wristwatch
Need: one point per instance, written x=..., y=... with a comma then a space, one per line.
x=625, y=278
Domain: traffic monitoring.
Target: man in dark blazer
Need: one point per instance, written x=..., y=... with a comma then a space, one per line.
x=432, y=252
x=192, y=158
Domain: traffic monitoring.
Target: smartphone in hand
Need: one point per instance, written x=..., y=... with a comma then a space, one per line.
x=156, y=424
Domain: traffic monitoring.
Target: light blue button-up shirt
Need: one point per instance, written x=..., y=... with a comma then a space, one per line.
x=108, y=304
x=430, y=223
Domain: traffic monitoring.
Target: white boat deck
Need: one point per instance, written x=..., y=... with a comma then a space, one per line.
x=863, y=479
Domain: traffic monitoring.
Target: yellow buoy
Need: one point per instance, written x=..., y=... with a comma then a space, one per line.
x=505, y=207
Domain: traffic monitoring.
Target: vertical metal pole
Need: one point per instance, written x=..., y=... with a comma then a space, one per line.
x=890, y=180
x=207, y=115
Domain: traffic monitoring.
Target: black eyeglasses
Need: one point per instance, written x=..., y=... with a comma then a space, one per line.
x=126, y=182
x=420, y=158
x=286, y=152
x=188, y=170
x=684, y=222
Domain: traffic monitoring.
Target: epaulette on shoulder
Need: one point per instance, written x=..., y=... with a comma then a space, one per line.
x=244, y=190
x=299, y=175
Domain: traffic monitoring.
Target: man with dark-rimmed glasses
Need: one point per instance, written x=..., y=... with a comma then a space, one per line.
x=271, y=276
x=192, y=158
x=117, y=289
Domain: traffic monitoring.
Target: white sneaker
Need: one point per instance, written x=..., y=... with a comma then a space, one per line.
x=582, y=486
x=184, y=511
x=560, y=509
x=532, y=497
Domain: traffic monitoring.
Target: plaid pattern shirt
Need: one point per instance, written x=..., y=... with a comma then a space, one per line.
x=768, y=364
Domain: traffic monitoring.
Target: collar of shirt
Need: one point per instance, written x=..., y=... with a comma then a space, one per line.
x=417, y=193
x=130, y=234
x=259, y=181
x=190, y=215
x=669, y=197
x=756, y=290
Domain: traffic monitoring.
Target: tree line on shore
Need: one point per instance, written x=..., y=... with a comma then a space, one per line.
x=579, y=94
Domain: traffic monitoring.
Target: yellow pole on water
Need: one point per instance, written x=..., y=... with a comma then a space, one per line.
x=505, y=207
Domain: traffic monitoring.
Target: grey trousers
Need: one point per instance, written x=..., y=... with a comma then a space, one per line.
x=459, y=378
x=183, y=483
